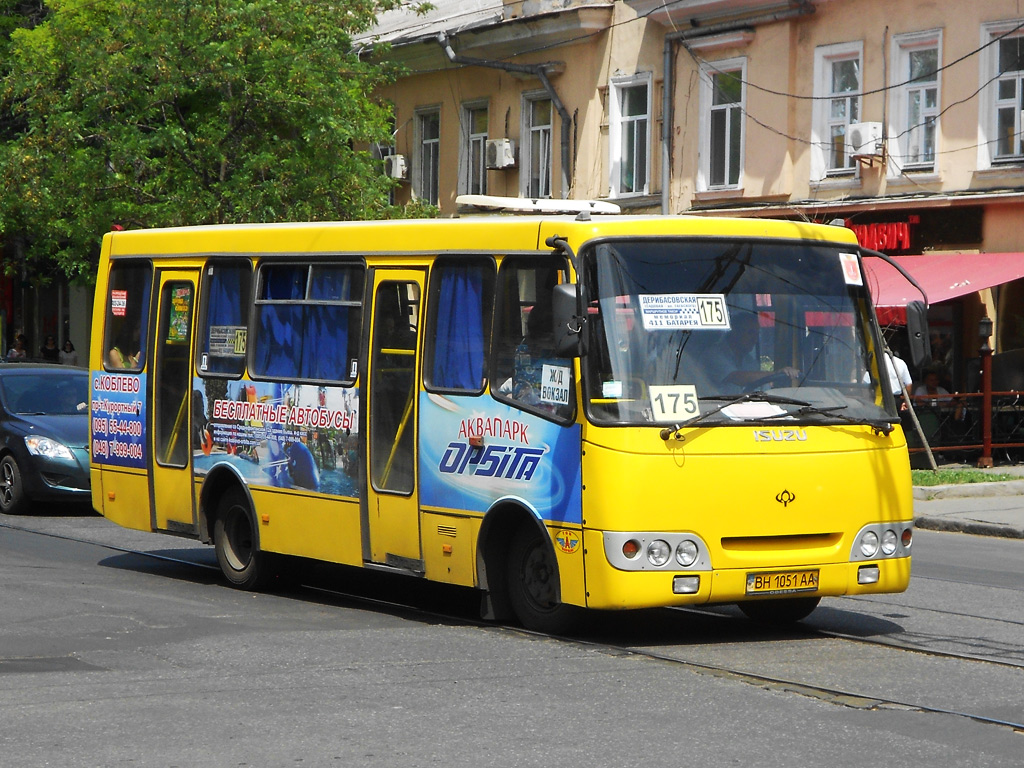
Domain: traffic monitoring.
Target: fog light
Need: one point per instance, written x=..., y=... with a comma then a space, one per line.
x=685, y=585
x=869, y=544
x=658, y=552
x=867, y=574
x=889, y=542
x=686, y=553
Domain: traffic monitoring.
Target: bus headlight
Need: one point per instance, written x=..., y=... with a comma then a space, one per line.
x=889, y=542
x=686, y=553
x=869, y=544
x=658, y=552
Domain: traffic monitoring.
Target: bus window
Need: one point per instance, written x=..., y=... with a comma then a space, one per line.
x=127, y=307
x=461, y=297
x=307, y=322
x=526, y=369
x=392, y=432
x=222, y=337
x=173, y=390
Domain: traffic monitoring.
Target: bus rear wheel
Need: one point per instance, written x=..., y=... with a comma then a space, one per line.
x=234, y=540
x=533, y=584
x=780, y=612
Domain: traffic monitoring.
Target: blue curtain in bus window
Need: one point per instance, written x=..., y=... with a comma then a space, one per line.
x=278, y=350
x=325, y=346
x=282, y=282
x=225, y=306
x=331, y=284
x=459, y=340
x=279, y=340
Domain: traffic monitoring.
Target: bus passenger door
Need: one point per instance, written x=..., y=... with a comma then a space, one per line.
x=392, y=496
x=171, y=411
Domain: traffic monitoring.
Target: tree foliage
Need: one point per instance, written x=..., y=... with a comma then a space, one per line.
x=146, y=113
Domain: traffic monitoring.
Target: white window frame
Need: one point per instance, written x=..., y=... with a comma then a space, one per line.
x=544, y=134
x=622, y=127
x=708, y=110
x=427, y=158
x=822, y=121
x=904, y=138
x=989, y=102
x=472, y=144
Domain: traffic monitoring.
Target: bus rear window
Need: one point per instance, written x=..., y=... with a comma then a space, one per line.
x=307, y=322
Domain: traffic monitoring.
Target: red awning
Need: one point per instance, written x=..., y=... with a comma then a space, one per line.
x=943, y=276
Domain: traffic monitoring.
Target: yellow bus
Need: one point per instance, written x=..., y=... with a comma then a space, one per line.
x=566, y=413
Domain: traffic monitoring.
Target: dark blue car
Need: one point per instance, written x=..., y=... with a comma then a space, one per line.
x=44, y=435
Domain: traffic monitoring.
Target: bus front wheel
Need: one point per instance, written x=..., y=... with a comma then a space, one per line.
x=533, y=584
x=234, y=540
x=780, y=612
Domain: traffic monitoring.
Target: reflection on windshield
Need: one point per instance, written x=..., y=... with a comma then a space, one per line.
x=50, y=394
x=677, y=326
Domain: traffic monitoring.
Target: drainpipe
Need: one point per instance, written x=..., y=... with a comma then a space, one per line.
x=671, y=39
x=541, y=72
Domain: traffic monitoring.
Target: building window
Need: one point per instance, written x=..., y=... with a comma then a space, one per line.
x=837, y=87
x=473, y=179
x=722, y=109
x=537, y=147
x=629, y=134
x=1002, y=96
x=916, y=102
x=429, y=125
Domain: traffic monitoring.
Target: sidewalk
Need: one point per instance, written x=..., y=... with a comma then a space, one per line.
x=985, y=509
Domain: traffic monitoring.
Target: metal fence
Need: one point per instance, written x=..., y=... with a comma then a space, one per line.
x=955, y=424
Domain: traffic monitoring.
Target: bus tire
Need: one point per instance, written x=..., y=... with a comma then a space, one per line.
x=234, y=540
x=780, y=612
x=531, y=576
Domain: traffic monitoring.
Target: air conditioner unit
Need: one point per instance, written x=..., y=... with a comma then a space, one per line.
x=865, y=138
x=396, y=167
x=499, y=154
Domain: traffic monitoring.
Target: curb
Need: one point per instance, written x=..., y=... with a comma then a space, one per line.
x=968, y=526
x=969, y=490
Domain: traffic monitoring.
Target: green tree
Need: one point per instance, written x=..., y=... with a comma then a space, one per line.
x=146, y=113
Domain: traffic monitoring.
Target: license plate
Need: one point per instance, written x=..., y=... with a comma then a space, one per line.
x=782, y=582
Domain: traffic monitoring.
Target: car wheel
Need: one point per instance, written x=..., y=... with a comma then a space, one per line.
x=12, y=490
x=234, y=540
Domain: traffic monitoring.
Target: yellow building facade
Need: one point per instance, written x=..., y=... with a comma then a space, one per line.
x=901, y=117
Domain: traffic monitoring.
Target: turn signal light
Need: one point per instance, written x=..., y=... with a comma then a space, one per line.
x=631, y=548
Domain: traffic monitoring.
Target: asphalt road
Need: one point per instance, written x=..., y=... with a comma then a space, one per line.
x=113, y=658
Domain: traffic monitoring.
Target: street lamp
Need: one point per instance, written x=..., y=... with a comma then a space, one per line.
x=985, y=332
x=985, y=353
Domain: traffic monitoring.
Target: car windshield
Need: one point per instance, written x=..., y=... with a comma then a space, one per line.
x=51, y=393
x=678, y=328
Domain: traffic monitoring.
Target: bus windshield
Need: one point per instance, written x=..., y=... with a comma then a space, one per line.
x=706, y=331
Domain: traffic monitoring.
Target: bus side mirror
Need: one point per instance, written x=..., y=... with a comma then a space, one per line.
x=567, y=325
x=917, y=334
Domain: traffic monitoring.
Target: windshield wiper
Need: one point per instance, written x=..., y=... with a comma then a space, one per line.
x=883, y=426
x=803, y=409
x=746, y=397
